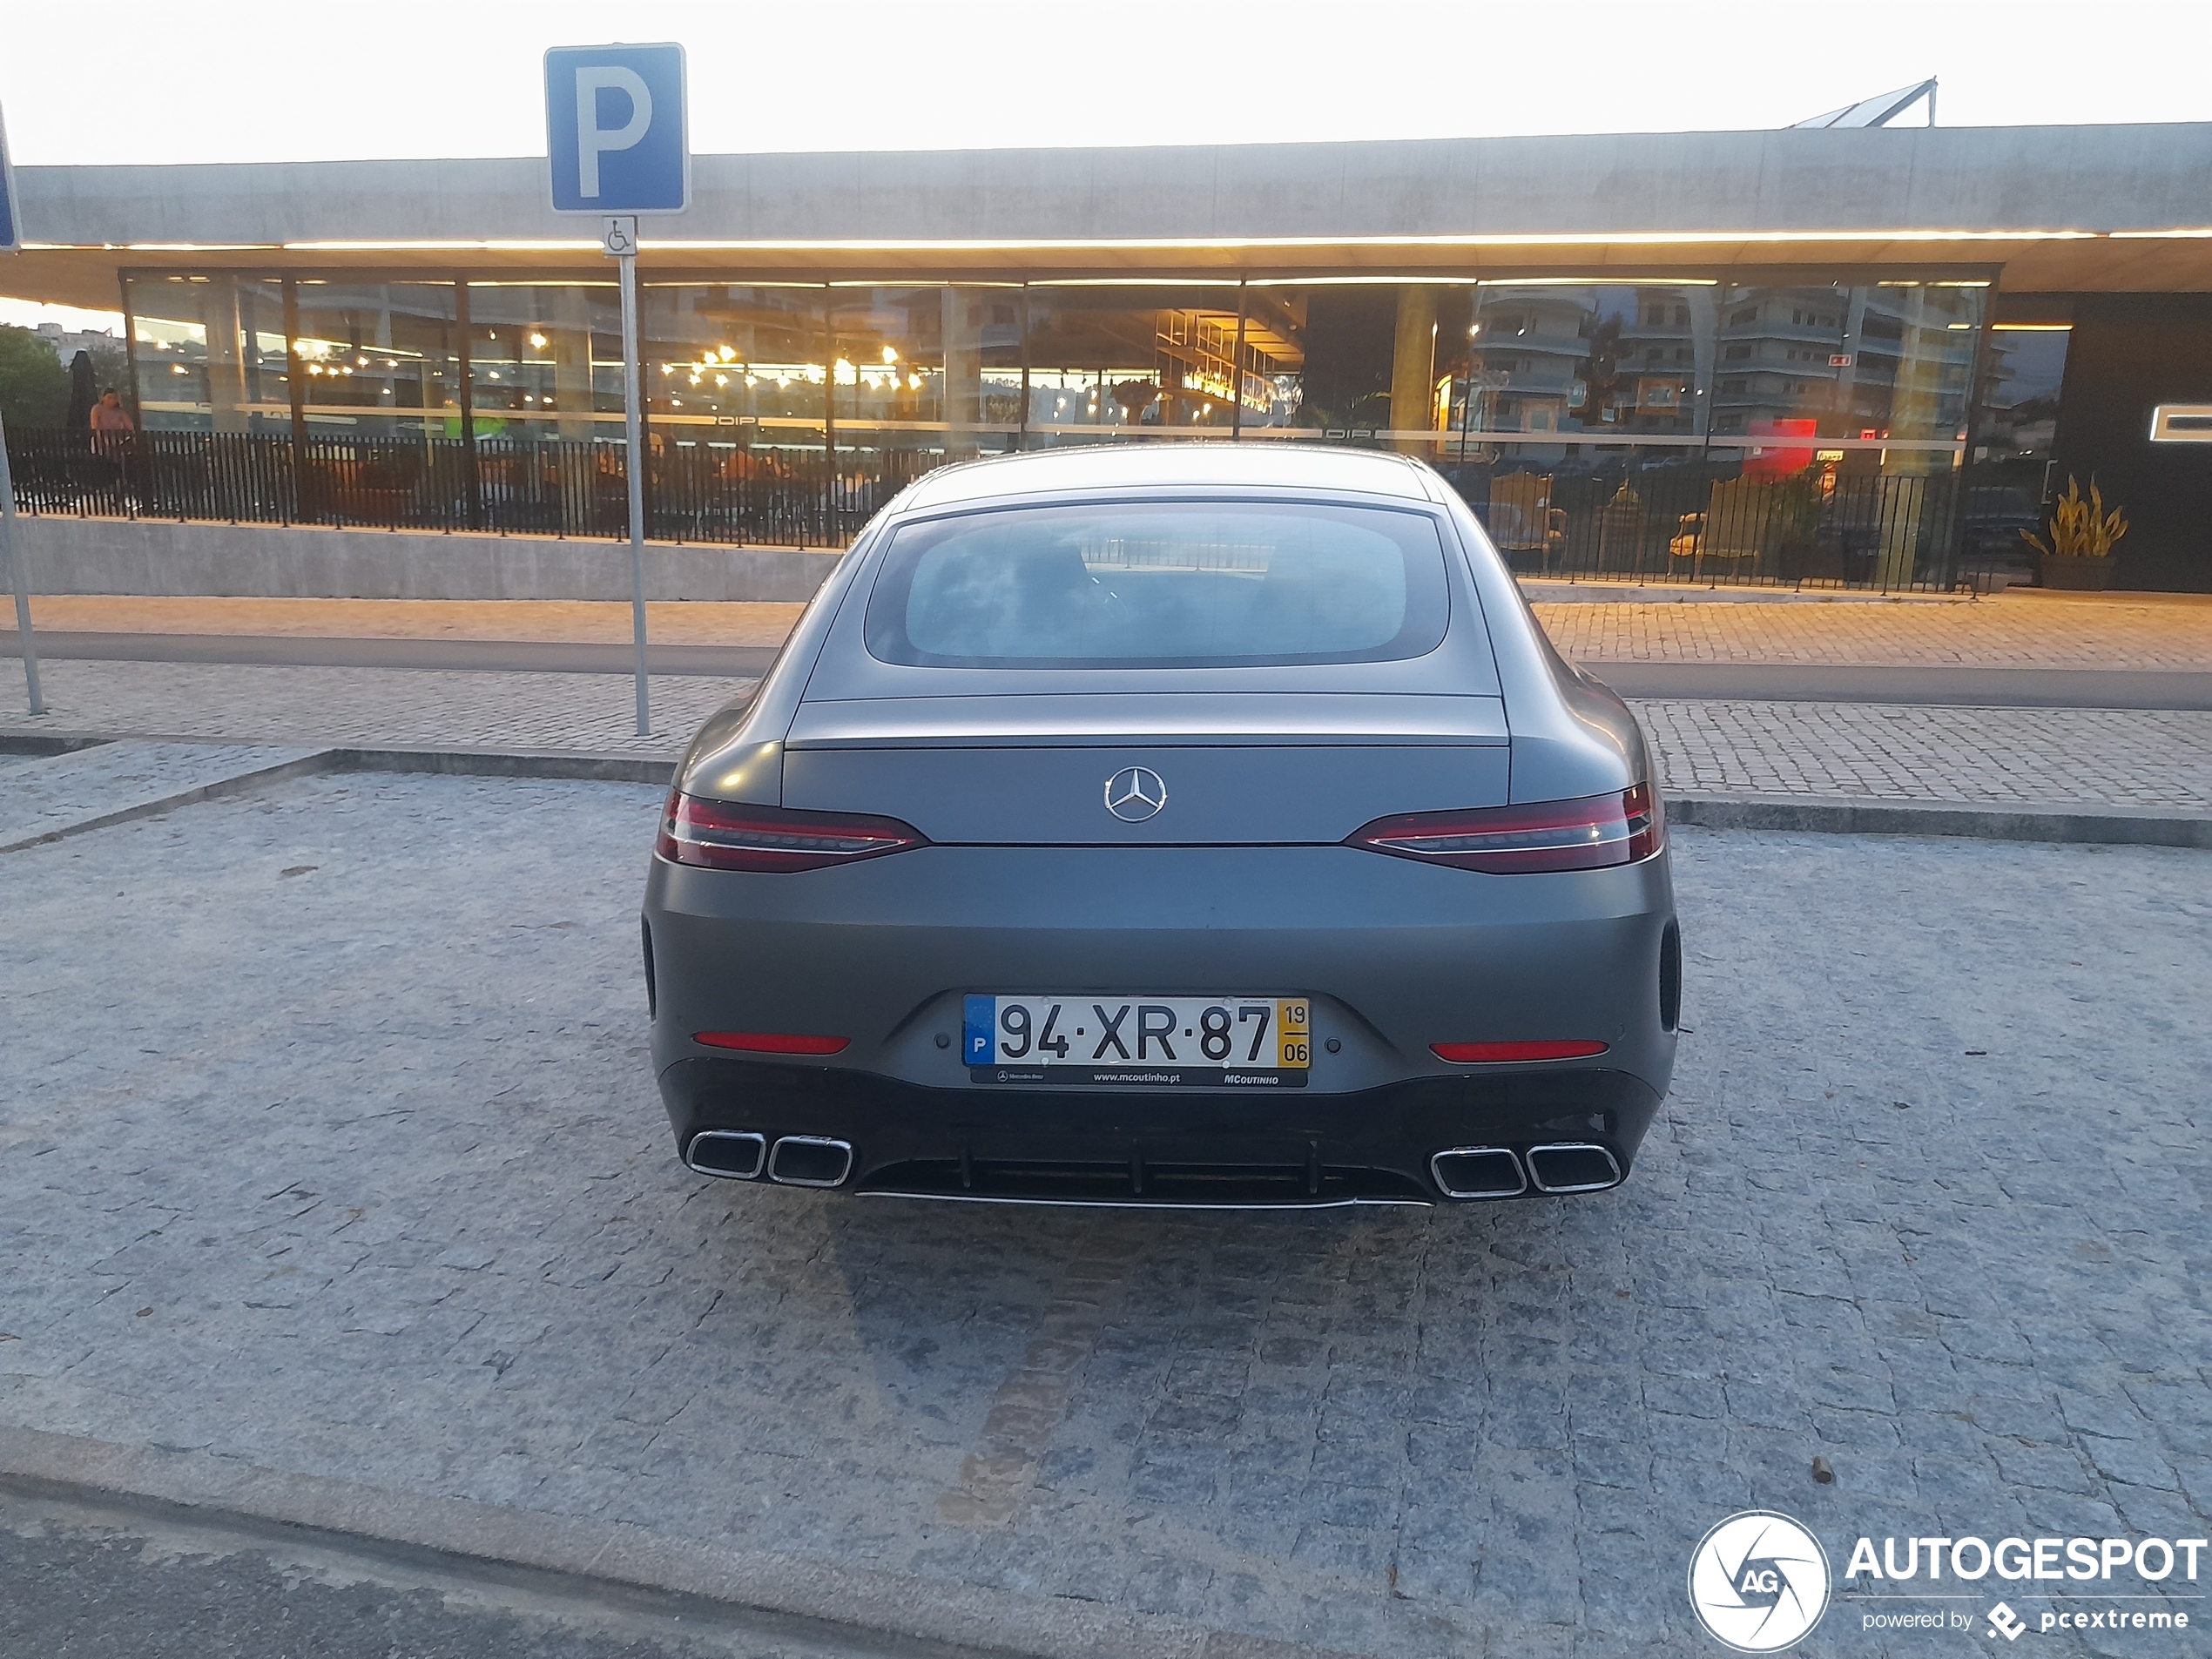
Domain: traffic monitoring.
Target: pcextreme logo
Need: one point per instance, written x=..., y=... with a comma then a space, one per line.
x=1758, y=1582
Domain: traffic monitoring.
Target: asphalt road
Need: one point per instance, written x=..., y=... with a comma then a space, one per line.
x=1756, y=682
x=89, y=1577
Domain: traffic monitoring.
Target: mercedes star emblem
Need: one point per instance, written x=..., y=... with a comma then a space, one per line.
x=1135, y=793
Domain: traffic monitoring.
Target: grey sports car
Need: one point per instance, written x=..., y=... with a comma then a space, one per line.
x=1171, y=824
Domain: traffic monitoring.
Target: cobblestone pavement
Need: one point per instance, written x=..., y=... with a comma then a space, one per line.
x=1885, y=752
x=2016, y=630
x=326, y=1142
x=1704, y=745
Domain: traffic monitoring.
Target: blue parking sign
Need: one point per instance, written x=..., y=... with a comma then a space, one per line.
x=616, y=131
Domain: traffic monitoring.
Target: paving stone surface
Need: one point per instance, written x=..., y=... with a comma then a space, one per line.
x=326, y=1142
x=1902, y=752
x=2013, y=631
x=1893, y=751
x=2018, y=631
x=48, y=794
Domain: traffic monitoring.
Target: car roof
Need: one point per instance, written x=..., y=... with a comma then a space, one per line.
x=1266, y=464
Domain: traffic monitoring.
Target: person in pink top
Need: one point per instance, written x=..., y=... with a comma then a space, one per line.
x=109, y=415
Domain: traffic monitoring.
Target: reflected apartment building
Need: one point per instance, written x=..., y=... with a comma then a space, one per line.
x=1664, y=357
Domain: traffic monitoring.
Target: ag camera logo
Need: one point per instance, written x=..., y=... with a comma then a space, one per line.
x=1758, y=1582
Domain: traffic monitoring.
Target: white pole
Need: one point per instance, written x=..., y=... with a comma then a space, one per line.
x=634, y=465
x=11, y=550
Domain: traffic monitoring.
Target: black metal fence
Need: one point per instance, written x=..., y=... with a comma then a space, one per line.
x=694, y=492
x=1714, y=523
x=1706, y=521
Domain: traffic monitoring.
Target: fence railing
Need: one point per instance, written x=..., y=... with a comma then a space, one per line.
x=1707, y=521
x=1717, y=524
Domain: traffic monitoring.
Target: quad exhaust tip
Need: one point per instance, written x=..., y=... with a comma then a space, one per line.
x=1573, y=1166
x=810, y=1161
x=794, y=1161
x=1478, y=1172
x=731, y=1154
x=1471, y=1172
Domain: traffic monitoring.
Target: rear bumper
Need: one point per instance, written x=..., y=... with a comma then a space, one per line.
x=1392, y=955
x=1373, y=1145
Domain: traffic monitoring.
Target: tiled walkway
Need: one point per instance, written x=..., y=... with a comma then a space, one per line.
x=1894, y=753
x=1705, y=746
x=2013, y=630
x=2023, y=630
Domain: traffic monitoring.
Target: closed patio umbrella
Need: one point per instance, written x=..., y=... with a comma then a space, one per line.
x=83, y=393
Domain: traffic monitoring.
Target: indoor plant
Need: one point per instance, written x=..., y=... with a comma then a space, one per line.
x=2079, y=554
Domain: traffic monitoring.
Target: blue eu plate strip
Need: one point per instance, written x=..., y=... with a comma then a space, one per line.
x=979, y=1040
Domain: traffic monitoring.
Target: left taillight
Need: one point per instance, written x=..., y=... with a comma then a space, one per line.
x=731, y=835
x=1592, y=833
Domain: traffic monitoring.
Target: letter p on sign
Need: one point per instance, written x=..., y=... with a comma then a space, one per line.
x=616, y=130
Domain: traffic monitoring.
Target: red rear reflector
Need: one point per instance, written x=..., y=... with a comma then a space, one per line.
x=769, y=1042
x=1472, y=1053
x=731, y=835
x=1592, y=833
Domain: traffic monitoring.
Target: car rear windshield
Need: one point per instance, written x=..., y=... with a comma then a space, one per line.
x=1160, y=584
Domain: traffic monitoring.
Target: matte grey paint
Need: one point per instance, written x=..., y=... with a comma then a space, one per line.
x=1035, y=886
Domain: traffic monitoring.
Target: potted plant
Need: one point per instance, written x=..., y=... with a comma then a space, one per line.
x=2079, y=554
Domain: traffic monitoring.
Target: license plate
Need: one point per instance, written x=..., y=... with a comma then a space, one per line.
x=1160, y=1041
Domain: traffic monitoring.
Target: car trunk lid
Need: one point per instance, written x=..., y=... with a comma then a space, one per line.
x=1174, y=768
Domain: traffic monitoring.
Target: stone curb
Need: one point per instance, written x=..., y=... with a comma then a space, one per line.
x=507, y=763
x=298, y=765
x=859, y=1600
x=2098, y=826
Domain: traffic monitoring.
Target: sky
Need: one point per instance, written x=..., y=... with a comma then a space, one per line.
x=247, y=80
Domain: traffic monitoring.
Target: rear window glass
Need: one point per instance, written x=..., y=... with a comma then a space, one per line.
x=1160, y=584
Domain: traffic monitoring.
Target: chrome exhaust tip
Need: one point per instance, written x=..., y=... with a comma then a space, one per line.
x=1478, y=1172
x=731, y=1155
x=1573, y=1166
x=810, y=1161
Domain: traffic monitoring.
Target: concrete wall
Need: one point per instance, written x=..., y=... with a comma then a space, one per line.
x=154, y=556
x=2085, y=177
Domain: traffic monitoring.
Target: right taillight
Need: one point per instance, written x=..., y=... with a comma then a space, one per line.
x=1592, y=833
x=731, y=836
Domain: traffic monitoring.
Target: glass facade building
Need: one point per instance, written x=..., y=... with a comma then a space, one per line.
x=1706, y=426
x=1862, y=429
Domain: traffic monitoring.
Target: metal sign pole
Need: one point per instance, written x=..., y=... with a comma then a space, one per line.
x=622, y=243
x=11, y=550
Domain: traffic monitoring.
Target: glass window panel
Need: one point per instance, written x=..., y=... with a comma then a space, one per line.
x=209, y=352
x=2008, y=477
x=545, y=360
x=1619, y=361
x=378, y=360
x=1160, y=586
x=1155, y=359
x=735, y=394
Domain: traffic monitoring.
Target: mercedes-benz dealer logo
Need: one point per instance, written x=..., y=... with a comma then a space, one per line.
x=1759, y=1581
x=1133, y=793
